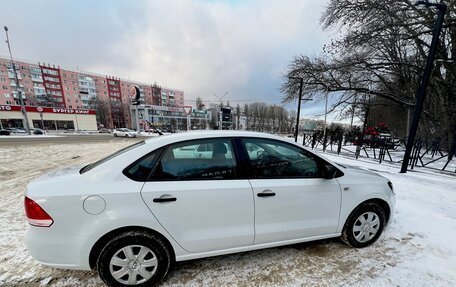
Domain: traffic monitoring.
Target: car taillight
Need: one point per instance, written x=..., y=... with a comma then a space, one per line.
x=36, y=215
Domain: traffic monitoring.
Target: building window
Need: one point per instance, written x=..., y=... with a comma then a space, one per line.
x=7, y=95
x=5, y=87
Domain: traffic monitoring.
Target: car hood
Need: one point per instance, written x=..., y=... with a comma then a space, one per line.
x=357, y=170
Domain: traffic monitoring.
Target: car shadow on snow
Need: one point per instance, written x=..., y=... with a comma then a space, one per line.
x=323, y=262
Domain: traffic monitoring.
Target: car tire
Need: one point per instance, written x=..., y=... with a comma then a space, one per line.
x=364, y=225
x=115, y=135
x=126, y=135
x=126, y=249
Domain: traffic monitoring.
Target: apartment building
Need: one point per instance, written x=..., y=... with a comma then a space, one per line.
x=107, y=97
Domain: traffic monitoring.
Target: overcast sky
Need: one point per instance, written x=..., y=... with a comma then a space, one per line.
x=202, y=47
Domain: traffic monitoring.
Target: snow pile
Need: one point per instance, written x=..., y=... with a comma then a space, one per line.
x=416, y=249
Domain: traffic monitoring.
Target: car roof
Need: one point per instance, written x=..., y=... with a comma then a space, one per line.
x=191, y=135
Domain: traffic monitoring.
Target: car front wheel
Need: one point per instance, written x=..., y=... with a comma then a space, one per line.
x=134, y=259
x=115, y=135
x=364, y=225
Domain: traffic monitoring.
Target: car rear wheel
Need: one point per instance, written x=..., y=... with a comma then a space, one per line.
x=134, y=259
x=364, y=225
x=126, y=135
x=115, y=135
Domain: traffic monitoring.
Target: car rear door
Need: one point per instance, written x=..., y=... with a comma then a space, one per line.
x=292, y=199
x=199, y=200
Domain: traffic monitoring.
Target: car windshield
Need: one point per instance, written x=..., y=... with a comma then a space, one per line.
x=109, y=157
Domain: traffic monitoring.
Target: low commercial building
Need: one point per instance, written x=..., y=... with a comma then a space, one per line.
x=169, y=117
x=48, y=118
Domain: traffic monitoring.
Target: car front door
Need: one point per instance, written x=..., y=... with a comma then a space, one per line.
x=292, y=199
x=199, y=200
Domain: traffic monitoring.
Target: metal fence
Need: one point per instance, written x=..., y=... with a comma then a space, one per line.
x=426, y=153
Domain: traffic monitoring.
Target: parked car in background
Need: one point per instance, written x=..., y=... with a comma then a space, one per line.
x=5, y=132
x=104, y=131
x=185, y=196
x=37, y=131
x=16, y=130
x=124, y=132
x=21, y=130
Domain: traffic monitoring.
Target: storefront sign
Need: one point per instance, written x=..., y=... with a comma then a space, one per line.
x=30, y=109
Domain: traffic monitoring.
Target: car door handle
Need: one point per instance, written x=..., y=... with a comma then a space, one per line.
x=266, y=193
x=165, y=199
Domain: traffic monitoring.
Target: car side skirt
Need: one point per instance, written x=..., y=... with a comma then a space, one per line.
x=253, y=247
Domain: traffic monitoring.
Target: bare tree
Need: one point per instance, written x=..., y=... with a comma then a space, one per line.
x=381, y=54
x=102, y=110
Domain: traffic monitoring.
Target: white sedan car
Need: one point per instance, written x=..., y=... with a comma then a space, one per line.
x=134, y=213
x=124, y=132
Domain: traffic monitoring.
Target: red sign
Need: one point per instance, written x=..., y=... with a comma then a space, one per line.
x=31, y=109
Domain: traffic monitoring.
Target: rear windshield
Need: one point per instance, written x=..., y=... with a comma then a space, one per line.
x=109, y=157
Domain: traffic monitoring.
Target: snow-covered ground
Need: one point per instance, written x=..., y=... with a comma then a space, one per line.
x=417, y=249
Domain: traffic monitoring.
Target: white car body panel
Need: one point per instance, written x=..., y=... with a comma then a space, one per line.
x=68, y=241
x=207, y=215
x=359, y=185
x=309, y=206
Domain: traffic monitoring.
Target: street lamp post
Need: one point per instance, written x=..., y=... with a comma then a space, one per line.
x=301, y=81
x=421, y=93
x=18, y=90
x=324, y=128
x=220, y=109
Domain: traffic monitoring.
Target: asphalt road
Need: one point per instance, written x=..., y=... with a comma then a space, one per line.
x=66, y=139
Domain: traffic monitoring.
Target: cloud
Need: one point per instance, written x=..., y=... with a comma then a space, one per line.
x=201, y=47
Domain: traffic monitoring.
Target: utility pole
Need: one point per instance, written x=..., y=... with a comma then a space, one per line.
x=421, y=93
x=18, y=90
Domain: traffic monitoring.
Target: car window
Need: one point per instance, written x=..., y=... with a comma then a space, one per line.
x=275, y=159
x=184, y=161
x=142, y=168
x=109, y=157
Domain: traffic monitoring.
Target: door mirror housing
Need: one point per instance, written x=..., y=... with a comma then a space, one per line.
x=329, y=171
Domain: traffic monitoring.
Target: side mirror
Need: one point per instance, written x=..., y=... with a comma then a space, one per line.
x=329, y=171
